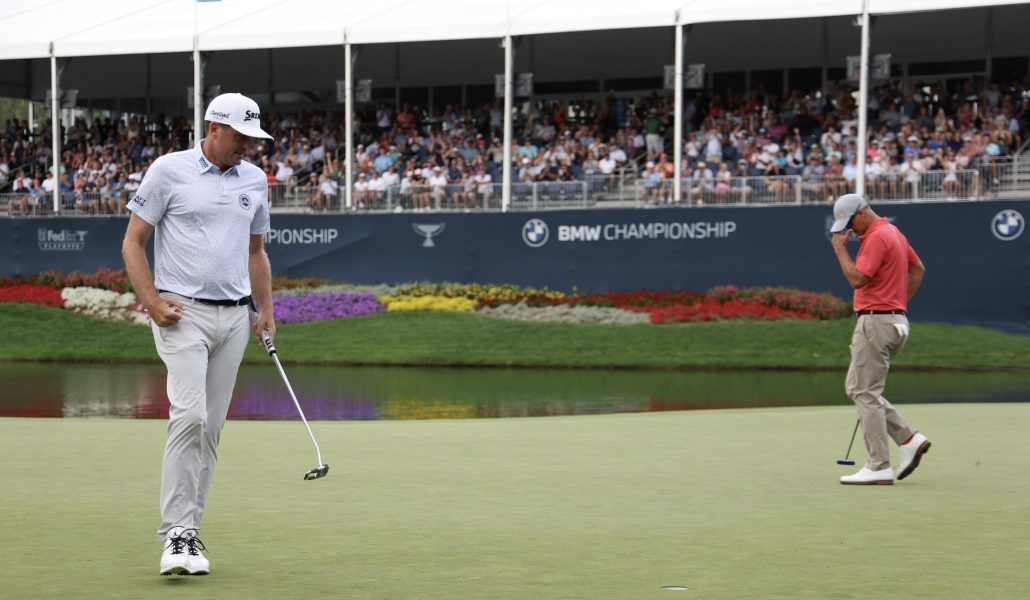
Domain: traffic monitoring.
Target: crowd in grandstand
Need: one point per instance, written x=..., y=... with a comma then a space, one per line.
x=454, y=156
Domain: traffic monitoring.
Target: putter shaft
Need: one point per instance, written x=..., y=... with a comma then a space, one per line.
x=847, y=455
x=323, y=469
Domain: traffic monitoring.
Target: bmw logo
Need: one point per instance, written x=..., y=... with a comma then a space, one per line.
x=534, y=233
x=245, y=201
x=1007, y=225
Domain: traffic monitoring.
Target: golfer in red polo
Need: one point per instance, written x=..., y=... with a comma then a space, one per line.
x=885, y=274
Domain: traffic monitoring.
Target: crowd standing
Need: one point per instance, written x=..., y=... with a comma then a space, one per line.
x=453, y=156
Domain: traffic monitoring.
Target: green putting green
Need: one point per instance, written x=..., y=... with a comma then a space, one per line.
x=728, y=503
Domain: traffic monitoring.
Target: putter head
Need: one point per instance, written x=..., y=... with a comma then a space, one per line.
x=316, y=473
x=844, y=461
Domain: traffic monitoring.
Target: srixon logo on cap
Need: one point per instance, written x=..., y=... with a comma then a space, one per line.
x=252, y=115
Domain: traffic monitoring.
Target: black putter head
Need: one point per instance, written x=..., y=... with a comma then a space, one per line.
x=316, y=473
x=844, y=461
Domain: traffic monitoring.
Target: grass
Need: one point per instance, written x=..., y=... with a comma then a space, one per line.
x=730, y=503
x=472, y=340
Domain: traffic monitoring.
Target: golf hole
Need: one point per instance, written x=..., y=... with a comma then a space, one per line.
x=674, y=588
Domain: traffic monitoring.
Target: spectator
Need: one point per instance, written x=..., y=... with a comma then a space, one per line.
x=361, y=191
x=437, y=187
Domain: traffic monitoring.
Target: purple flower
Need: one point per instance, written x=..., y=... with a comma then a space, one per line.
x=323, y=307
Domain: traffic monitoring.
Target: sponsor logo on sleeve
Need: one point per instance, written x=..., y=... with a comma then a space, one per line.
x=138, y=200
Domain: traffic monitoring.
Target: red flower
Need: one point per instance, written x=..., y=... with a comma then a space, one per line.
x=34, y=294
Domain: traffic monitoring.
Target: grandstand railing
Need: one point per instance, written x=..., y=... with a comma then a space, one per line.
x=966, y=184
x=539, y=195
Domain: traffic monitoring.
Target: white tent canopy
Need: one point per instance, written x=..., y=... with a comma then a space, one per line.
x=112, y=27
x=67, y=29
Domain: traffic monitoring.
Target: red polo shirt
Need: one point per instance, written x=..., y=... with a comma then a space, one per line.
x=884, y=257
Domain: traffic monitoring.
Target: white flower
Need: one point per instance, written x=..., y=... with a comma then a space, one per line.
x=566, y=314
x=103, y=304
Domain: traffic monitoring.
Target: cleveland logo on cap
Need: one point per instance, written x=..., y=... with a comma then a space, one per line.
x=219, y=114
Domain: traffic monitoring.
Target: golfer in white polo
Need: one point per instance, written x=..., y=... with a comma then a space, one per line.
x=207, y=209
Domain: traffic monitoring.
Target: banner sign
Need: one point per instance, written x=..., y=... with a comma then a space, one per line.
x=977, y=271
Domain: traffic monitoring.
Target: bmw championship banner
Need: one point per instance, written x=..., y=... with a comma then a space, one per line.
x=977, y=254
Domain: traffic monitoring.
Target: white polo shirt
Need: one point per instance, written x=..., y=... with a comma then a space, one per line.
x=203, y=220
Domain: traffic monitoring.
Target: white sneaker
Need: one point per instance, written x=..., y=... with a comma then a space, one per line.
x=911, y=453
x=175, y=553
x=196, y=562
x=865, y=476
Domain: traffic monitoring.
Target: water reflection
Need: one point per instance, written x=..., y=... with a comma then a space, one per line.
x=334, y=393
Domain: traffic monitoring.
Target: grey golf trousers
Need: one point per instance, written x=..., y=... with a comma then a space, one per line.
x=203, y=354
x=875, y=341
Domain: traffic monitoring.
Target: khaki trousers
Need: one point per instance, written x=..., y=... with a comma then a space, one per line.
x=203, y=354
x=876, y=340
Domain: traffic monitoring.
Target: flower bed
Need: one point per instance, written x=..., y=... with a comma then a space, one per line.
x=564, y=313
x=428, y=303
x=104, y=304
x=35, y=294
x=106, y=294
x=302, y=308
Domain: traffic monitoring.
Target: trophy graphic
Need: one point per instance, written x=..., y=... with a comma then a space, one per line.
x=429, y=230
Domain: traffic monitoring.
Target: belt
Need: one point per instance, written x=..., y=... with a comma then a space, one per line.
x=244, y=301
x=896, y=311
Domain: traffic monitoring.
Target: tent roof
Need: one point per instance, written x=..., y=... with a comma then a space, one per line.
x=111, y=27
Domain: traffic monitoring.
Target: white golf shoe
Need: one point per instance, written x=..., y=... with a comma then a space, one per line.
x=175, y=554
x=865, y=476
x=196, y=562
x=911, y=453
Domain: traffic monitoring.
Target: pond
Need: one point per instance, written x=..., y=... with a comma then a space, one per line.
x=366, y=393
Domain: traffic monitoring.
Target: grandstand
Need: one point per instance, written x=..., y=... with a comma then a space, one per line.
x=774, y=118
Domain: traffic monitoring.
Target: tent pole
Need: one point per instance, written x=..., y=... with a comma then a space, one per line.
x=677, y=120
x=348, y=127
x=198, y=95
x=863, y=102
x=55, y=129
x=506, y=177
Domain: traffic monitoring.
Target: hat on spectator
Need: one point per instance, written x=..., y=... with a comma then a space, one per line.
x=844, y=208
x=237, y=111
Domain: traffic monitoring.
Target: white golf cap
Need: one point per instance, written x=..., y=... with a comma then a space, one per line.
x=239, y=112
x=844, y=208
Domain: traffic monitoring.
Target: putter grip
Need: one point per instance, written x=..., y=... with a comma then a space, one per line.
x=267, y=339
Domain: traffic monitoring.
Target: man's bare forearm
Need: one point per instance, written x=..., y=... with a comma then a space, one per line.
x=261, y=279
x=915, y=278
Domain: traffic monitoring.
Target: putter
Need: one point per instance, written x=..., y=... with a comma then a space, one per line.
x=846, y=460
x=322, y=469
